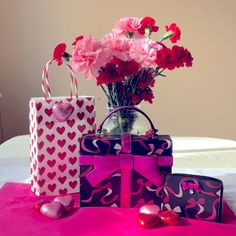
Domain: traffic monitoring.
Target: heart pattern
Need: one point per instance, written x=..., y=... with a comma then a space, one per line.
x=54, y=142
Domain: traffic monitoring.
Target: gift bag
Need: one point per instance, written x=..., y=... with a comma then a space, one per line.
x=194, y=196
x=56, y=127
x=124, y=171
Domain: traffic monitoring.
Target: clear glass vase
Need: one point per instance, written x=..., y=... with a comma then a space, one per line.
x=126, y=121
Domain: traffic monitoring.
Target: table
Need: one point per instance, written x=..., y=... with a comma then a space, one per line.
x=196, y=155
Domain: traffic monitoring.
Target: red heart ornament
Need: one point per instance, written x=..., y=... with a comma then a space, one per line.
x=53, y=209
x=170, y=217
x=62, y=110
x=147, y=220
x=62, y=179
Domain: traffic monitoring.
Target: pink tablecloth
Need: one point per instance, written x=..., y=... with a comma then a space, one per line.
x=18, y=218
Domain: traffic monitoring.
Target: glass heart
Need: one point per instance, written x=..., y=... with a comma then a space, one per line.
x=62, y=110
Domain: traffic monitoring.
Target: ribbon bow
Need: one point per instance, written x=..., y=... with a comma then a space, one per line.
x=191, y=186
x=106, y=165
x=193, y=202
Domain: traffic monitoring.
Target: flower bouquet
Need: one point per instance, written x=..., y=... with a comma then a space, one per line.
x=126, y=62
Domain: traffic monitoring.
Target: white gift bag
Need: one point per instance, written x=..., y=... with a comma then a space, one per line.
x=56, y=127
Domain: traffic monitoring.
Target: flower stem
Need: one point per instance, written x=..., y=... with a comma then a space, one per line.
x=104, y=90
x=109, y=89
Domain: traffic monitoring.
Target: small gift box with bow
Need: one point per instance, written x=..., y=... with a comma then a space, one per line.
x=194, y=196
x=124, y=171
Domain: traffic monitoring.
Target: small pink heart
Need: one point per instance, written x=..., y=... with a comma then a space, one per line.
x=67, y=201
x=62, y=110
x=38, y=204
x=53, y=209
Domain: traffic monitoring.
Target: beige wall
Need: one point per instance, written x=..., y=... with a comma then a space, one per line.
x=199, y=101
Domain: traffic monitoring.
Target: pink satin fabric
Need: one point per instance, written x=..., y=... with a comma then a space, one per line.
x=17, y=218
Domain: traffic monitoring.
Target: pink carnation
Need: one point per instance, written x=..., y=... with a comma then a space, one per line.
x=118, y=46
x=88, y=56
x=144, y=51
x=127, y=25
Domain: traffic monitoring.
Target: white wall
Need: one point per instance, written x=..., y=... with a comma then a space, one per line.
x=199, y=101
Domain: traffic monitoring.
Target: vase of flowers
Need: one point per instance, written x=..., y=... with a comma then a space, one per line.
x=126, y=62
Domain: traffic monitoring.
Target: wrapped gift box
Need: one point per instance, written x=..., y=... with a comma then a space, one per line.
x=123, y=171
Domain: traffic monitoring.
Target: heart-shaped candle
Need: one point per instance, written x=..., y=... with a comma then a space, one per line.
x=170, y=217
x=67, y=201
x=62, y=110
x=38, y=204
x=53, y=209
x=147, y=220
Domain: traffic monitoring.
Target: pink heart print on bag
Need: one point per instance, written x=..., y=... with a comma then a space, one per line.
x=56, y=127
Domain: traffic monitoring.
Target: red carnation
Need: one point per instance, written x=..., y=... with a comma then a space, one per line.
x=147, y=95
x=147, y=23
x=152, y=84
x=176, y=32
x=136, y=99
x=77, y=39
x=188, y=58
x=181, y=56
x=109, y=75
x=128, y=68
x=165, y=59
x=146, y=78
x=58, y=52
x=116, y=70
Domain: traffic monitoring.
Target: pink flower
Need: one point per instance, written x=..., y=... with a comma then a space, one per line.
x=88, y=56
x=127, y=26
x=144, y=51
x=118, y=46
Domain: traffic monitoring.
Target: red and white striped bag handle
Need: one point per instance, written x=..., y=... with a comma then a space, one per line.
x=45, y=80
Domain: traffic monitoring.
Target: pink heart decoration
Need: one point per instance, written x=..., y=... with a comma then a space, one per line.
x=62, y=167
x=63, y=191
x=52, y=187
x=62, y=110
x=72, y=160
x=61, y=155
x=51, y=175
x=61, y=142
x=53, y=209
x=41, y=182
x=38, y=106
x=73, y=184
x=62, y=179
x=73, y=172
x=60, y=130
x=67, y=201
x=90, y=108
